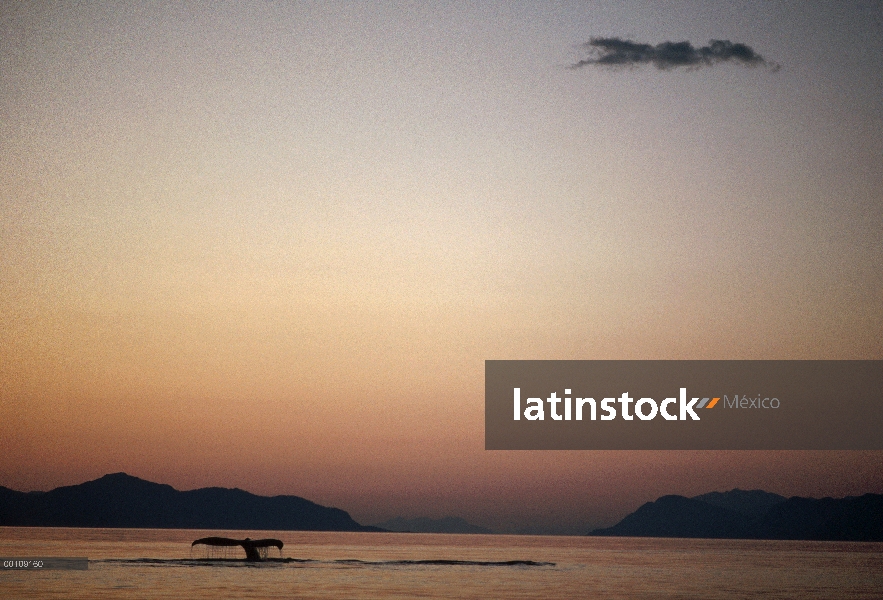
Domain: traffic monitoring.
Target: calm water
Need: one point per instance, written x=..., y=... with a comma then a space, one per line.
x=144, y=563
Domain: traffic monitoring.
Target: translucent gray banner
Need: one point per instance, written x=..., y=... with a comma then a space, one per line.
x=46, y=563
x=683, y=405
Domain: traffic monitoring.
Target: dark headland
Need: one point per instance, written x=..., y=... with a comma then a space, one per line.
x=120, y=500
x=756, y=514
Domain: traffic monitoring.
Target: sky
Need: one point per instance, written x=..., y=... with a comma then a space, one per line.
x=270, y=245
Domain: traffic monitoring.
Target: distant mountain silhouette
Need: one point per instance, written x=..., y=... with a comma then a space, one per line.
x=120, y=500
x=751, y=503
x=677, y=516
x=426, y=525
x=755, y=515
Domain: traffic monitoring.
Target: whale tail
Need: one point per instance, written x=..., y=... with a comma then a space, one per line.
x=220, y=547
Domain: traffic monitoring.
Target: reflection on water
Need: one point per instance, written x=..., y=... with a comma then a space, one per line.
x=148, y=563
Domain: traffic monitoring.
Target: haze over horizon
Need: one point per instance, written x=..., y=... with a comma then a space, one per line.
x=270, y=246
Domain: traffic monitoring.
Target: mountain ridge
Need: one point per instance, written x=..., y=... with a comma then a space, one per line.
x=121, y=500
x=751, y=503
x=756, y=514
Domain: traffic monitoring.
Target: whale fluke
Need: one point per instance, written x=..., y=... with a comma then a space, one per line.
x=254, y=549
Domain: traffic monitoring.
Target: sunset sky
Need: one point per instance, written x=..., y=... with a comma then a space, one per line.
x=270, y=245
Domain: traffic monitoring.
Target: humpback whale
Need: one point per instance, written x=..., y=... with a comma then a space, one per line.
x=254, y=549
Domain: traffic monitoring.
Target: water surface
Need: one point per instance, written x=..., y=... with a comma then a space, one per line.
x=158, y=563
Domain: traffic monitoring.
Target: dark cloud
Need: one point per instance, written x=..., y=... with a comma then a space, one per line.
x=615, y=52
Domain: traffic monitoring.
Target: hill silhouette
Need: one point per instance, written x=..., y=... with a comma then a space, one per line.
x=755, y=515
x=120, y=500
x=750, y=503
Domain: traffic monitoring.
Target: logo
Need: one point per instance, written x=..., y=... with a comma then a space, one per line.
x=681, y=405
x=645, y=409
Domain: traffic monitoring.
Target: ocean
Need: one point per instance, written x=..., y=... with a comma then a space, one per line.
x=160, y=563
